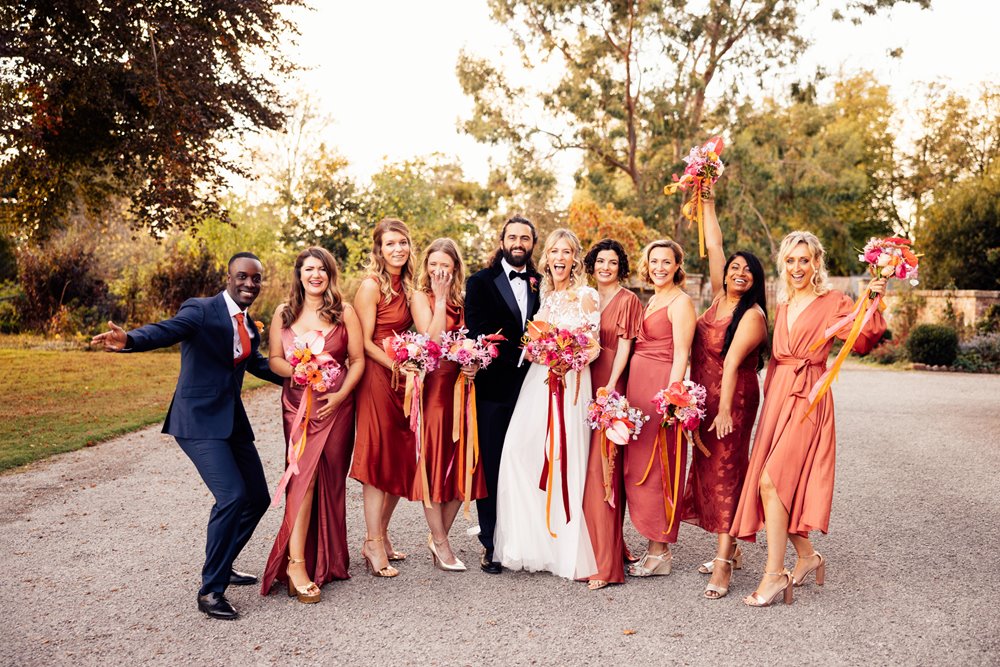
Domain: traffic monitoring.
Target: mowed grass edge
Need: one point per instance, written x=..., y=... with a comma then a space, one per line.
x=59, y=401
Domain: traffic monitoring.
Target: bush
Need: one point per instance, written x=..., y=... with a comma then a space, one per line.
x=933, y=344
x=980, y=354
x=889, y=351
x=185, y=273
x=10, y=317
x=990, y=321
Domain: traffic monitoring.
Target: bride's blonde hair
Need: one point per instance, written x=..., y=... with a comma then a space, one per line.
x=576, y=271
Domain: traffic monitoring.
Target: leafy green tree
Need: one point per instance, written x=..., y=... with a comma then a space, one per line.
x=102, y=100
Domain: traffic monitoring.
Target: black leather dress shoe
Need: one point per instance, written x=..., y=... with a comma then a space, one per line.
x=488, y=565
x=237, y=578
x=217, y=606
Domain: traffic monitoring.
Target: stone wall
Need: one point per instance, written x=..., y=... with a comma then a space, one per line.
x=968, y=305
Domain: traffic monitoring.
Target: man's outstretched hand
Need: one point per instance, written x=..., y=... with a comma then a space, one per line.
x=113, y=341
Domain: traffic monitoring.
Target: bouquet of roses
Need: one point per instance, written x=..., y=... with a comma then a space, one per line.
x=886, y=258
x=465, y=351
x=704, y=167
x=418, y=351
x=682, y=404
x=611, y=414
x=311, y=366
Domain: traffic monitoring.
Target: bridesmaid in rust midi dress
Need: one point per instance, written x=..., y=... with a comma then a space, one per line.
x=621, y=316
x=311, y=546
x=384, y=449
x=789, y=484
x=660, y=358
x=728, y=342
x=437, y=307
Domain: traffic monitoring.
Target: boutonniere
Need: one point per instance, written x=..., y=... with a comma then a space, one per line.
x=533, y=283
x=259, y=325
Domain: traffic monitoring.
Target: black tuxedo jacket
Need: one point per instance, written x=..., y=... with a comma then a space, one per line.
x=490, y=307
x=207, y=402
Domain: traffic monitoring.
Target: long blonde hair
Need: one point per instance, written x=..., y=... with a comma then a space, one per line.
x=456, y=295
x=576, y=274
x=820, y=279
x=376, y=262
x=643, y=269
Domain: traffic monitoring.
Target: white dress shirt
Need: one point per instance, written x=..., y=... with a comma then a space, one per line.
x=519, y=287
x=233, y=311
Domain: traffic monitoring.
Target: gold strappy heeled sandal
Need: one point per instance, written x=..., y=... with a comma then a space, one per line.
x=819, y=569
x=706, y=568
x=388, y=571
x=758, y=600
x=308, y=594
x=661, y=569
x=714, y=592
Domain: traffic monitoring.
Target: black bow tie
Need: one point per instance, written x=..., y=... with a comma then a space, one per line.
x=514, y=275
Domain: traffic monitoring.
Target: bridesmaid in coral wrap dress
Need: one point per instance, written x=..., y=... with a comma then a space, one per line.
x=384, y=450
x=313, y=533
x=621, y=316
x=728, y=344
x=660, y=359
x=789, y=484
x=437, y=307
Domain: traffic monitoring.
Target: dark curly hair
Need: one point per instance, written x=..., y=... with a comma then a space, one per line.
x=607, y=244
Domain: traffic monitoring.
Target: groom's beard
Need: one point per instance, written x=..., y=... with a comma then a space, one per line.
x=516, y=261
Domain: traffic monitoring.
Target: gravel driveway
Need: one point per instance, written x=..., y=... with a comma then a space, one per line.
x=103, y=548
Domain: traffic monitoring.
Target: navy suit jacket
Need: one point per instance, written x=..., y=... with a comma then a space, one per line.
x=207, y=402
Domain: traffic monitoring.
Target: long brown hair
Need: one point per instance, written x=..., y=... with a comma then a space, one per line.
x=456, y=295
x=332, y=309
x=376, y=262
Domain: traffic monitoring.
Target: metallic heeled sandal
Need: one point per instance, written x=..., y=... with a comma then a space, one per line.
x=388, y=571
x=308, y=594
x=706, y=568
x=719, y=591
x=758, y=600
x=661, y=569
x=819, y=569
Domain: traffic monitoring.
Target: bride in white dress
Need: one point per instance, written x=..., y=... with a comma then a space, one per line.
x=522, y=539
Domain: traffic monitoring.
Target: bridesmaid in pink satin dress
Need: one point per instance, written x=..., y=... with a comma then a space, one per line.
x=660, y=358
x=789, y=484
x=621, y=316
x=728, y=344
x=311, y=546
x=385, y=447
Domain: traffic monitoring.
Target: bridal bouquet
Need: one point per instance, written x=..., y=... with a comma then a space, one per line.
x=611, y=414
x=562, y=350
x=416, y=350
x=704, y=167
x=682, y=405
x=465, y=426
x=886, y=258
x=317, y=371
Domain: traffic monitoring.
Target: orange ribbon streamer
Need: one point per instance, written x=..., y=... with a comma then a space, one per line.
x=413, y=399
x=295, y=449
x=670, y=495
x=546, y=483
x=465, y=432
x=608, y=452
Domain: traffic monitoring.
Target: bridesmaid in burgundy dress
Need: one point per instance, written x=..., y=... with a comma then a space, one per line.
x=384, y=450
x=437, y=307
x=660, y=358
x=313, y=533
x=728, y=346
x=621, y=316
x=789, y=483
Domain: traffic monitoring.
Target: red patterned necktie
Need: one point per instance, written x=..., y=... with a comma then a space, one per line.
x=244, y=340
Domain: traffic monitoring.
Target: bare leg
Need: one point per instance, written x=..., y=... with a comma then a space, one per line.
x=722, y=573
x=449, y=511
x=373, y=548
x=297, y=572
x=807, y=557
x=776, y=527
x=435, y=515
x=388, y=507
x=657, y=548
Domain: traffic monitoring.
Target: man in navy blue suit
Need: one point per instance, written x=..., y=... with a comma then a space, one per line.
x=218, y=344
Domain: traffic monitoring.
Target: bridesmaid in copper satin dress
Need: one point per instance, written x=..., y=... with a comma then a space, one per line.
x=728, y=343
x=660, y=358
x=384, y=450
x=437, y=307
x=789, y=484
x=621, y=316
x=312, y=540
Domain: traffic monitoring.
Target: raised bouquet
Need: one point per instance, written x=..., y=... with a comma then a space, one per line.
x=317, y=371
x=704, y=167
x=618, y=422
x=562, y=350
x=886, y=258
x=464, y=351
x=680, y=405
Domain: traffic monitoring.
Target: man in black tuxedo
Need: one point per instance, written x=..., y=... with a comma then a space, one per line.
x=219, y=344
x=501, y=297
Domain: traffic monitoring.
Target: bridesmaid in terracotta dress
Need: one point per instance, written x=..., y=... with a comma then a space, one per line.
x=384, y=450
x=660, y=358
x=313, y=533
x=437, y=307
x=729, y=341
x=789, y=484
x=621, y=316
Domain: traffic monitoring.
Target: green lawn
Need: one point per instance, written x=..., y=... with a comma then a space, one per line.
x=58, y=401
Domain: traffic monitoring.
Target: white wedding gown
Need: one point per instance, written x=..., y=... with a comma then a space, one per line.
x=522, y=541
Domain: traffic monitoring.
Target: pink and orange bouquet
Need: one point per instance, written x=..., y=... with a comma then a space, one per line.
x=890, y=258
x=465, y=351
x=610, y=412
x=683, y=403
x=311, y=366
x=704, y=167
x=562, y=350
x=417, y=350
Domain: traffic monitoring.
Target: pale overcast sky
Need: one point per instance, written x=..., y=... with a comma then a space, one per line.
x=385, y=69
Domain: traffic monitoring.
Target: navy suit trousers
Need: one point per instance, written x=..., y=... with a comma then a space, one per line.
x=233, y=473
